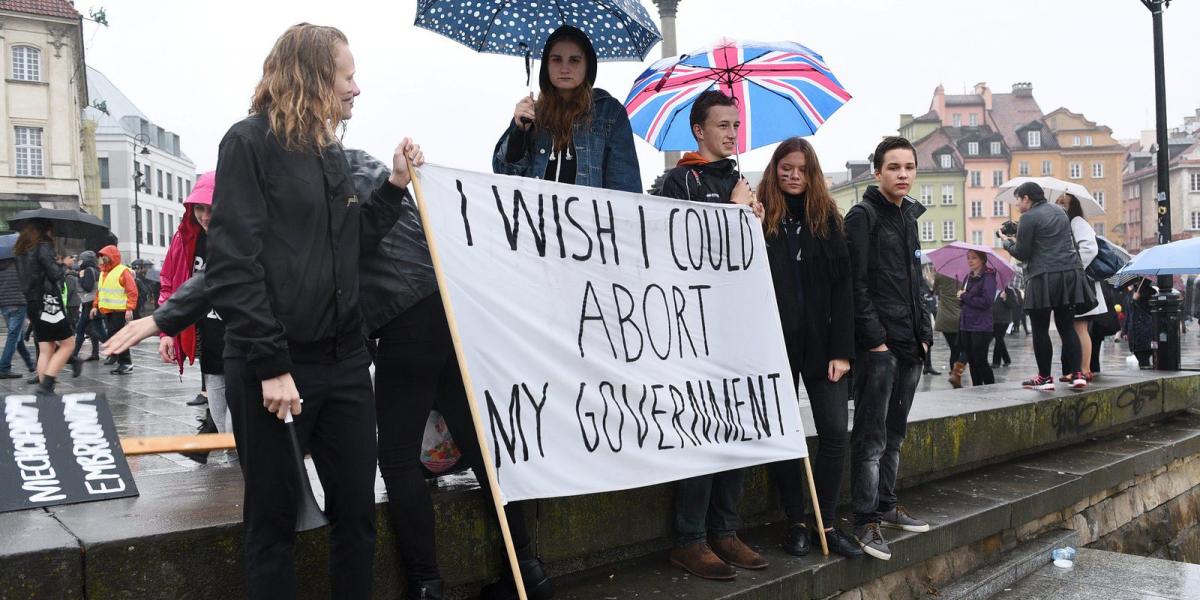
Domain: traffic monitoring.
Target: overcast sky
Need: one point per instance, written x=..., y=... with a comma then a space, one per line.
x=190, y=66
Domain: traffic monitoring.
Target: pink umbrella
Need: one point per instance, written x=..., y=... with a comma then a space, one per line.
x=951, y=260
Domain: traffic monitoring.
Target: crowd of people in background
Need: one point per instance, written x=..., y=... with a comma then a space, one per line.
x=858, y=313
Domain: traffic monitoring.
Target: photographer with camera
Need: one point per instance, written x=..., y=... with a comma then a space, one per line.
x=1054, y=280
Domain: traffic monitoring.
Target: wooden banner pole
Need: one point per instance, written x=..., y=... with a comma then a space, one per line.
x=812, y=489
x=485, y=453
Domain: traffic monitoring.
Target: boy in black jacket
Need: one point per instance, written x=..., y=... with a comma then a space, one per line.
x=706, y=506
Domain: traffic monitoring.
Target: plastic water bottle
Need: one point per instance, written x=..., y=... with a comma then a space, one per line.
x=1064, y=558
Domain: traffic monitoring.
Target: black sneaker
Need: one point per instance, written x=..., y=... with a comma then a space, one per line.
x=92, y=358
x=76, y=366
x=199, y=400
x=840, y=543
x=112, y=360
x=898, y=518
x=870, y=539
x=10, y=375
x=122, y=370
x=33, y=378
x=795, y=540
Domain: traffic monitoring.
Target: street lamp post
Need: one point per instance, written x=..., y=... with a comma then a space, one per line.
x=666, y=16
x=1166, y=302
x=142, y=139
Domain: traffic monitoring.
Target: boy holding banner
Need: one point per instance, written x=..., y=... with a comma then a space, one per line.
x=706, y=506
x=892, y=335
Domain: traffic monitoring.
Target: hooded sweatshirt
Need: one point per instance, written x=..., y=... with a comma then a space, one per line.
x=127, y=279
x=695, y=178
x=180, y=262
x=89, y=276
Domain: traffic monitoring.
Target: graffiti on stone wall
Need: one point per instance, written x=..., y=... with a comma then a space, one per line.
x=1072, y=417
x=1136, y=397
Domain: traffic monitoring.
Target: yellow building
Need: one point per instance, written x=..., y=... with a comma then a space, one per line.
x=1092, y=158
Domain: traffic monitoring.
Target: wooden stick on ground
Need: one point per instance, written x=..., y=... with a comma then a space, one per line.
x=133, y=446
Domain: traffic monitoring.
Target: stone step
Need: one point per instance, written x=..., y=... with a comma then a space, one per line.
x=1102, y=574
x=961, y=510
x=1008, y=568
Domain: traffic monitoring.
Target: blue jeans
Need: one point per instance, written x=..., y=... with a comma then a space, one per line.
x=14, y=317
x=883, y=394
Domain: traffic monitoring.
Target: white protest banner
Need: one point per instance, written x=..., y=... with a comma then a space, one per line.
x=611, y=340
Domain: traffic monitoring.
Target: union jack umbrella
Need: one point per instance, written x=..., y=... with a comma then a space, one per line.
x=782, y=89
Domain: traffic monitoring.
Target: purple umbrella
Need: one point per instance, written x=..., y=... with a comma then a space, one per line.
x=951, y=260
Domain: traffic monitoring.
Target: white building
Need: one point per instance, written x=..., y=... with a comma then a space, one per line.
x=41, y=157
x=131, y=148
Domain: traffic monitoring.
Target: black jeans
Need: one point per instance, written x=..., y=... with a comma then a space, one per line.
x=975, y=345
x=1097, y=341
x=884, y=386
x=415, y=368
x=337, y=426
x=1000, y=353
x=1043, y=350
x=956, y=354
x=831, y=412
x=707, y=505
x=113, y=322
x=90, y=326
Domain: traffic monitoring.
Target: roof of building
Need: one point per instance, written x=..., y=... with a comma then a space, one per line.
x=929, y=117
x=926, y=146
x=964, y=100
x=1010, y=112
x=101, y=91
x=46, y=8
x=1176, y=149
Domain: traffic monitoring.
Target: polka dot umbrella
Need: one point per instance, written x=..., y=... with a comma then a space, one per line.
x=619, y=29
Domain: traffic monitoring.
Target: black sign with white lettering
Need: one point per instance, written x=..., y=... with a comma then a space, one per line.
x=60, y=450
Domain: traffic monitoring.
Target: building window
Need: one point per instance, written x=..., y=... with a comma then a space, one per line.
x=1075, y=171
x=1097, y=170
x=106, y=215
x=976, y=179
x=160, y=183
x=973, y=119
x=179, y=186
x=1099, y=196
x=146, y=180
x=946, y=161
x=947, y=194
x=997, y=178
x=976, y=209
x=948, y=231
x=1195, y=180
x=958, y=120
x=1099, y=227
x=26, y=63
x=927, y=195
x=171, y=224
x=1033, y=139
x=1075, y=141
x=977, y=238
x=996, y=148
x=1196, y=219
x=999, y=209
x=1023, y=168
x=1046, y=168
x=973, y=147
x=104, y=173
x=189, y=187
x=29, y=152
x=170, y=187
x=926, y=231
x=149, y=226
x=1087, y=140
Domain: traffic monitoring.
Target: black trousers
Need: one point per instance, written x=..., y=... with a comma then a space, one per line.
x=415, y=369
x=1097, y=342
x=956, y=354
x=975, y=345
x=884, y=386
x=113, y=322
x=337, y=426
x=1000, y=353
x=831, y=410
x=1043, y=350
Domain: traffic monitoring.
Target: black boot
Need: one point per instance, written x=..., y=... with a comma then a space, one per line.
x=795, y=541
x=207, y=425
x=430, y=589
x=537, y=584
x=46, y=386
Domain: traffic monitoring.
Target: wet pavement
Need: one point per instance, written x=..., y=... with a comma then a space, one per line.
x=1102, y=574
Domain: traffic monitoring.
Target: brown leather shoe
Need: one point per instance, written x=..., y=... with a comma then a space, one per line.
x=699, y=560
x=956, y=373
x=735, y=552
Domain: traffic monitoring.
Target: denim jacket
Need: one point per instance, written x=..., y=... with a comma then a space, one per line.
x=604, y=151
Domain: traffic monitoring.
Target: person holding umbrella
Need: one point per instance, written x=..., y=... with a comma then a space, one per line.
x=42, y=280
x=810, y=265
x=573, y=132
x=285, y=241
x=1085, y=245
x=1054, y=280
x=975, y=326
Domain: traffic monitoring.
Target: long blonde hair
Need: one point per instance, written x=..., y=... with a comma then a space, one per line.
x=296, y=91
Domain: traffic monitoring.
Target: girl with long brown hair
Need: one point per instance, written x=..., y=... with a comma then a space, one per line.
x=284, y=244
x=573, y=132
x=42, y=280
x=810, y=266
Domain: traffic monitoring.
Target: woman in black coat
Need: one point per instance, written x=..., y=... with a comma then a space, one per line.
x=810, y=266
x=42, y=281
x=1139, y=322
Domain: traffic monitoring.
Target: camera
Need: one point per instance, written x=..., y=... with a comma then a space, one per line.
x=1008, y=228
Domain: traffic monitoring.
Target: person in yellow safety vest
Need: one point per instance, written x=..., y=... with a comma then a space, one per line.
x=116, y=298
